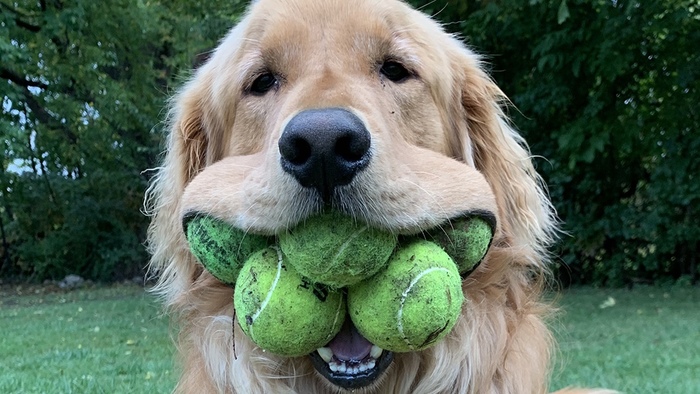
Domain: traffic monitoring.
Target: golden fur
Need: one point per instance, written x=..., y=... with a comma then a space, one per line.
x=441, y=146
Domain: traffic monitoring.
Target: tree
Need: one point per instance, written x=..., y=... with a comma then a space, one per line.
x=606, y=91
x=83, y=87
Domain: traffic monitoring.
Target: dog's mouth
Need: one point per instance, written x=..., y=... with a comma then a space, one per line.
x=349, y=360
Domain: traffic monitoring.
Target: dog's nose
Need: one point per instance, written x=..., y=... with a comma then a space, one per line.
x=325, y=148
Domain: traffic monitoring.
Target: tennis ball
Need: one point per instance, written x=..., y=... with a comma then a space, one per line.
x=221, y=248
x=466, y=240
x=282, y=312
x=413, y=303
x=336, y=250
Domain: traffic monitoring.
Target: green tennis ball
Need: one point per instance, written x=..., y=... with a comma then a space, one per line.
x=413, y=303
x=282, y=312
x=466, y=240
x=336, y=250
x=221, y=248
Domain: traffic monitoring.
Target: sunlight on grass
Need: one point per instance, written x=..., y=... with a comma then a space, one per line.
x=114, y=340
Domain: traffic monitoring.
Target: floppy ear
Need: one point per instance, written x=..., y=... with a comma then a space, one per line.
x=186, y=155
x=500, y=153
x=196, y=133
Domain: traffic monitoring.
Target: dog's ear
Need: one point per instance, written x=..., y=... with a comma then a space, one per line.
x=189, y=138
x=186, y=155
x=196, y=138
x=500, y=153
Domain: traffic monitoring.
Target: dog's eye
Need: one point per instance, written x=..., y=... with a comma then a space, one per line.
x=263, y=83
x=395, y=71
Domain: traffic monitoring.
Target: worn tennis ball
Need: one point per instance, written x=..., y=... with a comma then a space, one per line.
x=413, y=303
x=466, y=240
x=336, y=250
x=221, y=248
x=281, y=311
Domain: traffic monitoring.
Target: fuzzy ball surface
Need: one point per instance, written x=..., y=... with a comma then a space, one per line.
x=466, y=240
x=221, y=248
x=282, y=312
x=336, y=250
x=413, y=303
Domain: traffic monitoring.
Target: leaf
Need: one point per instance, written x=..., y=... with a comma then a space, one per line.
x=563, y=13
x=610, y=302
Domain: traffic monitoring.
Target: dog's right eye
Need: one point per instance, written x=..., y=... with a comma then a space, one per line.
x=394, y=71
x=263, y=83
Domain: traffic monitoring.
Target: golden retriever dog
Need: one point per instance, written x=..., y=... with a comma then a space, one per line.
x=369, y=108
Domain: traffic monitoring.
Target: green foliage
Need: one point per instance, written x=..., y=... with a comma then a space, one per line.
x=83, y=86
x=94, y=230
x=607, y=92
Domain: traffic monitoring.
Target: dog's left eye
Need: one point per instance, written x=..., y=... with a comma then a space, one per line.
x=263, y=83
x=394, y=71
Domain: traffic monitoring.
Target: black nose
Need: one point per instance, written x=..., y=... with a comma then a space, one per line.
x=324, y=148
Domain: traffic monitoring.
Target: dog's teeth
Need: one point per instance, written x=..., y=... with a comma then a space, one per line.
x=326, y=353
x=350, y=367
x=342, y=367
x=375, y=352
x=333, y=366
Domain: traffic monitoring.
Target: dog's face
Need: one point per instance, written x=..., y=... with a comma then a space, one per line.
x=311, y=104
x=365, y=107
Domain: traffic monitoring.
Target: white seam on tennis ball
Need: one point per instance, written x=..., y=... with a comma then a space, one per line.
x=345, y=244
x=272, y=288
x=399, y=314
x=337, y=312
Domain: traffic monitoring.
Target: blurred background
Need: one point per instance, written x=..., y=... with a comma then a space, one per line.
x=606, y=92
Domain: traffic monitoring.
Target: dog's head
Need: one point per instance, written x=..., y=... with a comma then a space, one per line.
x=366, y=107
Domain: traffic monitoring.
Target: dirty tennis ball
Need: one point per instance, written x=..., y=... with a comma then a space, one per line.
x=282, y=312
x=413, y=303
x=466, y=240
x=336, y=250
x=221, y=248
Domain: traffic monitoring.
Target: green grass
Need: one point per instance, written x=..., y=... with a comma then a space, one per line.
x=647, y=342
x=102, y=340
x=114, y=340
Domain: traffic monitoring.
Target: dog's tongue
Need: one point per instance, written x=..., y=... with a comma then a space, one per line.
x=349, y=344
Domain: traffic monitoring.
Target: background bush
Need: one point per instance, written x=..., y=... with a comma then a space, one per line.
x=605, y=92
x=83, y=91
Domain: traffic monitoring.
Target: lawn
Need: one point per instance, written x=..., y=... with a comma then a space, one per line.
x=100, y=340
x=641, y=341
x=114, y=340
